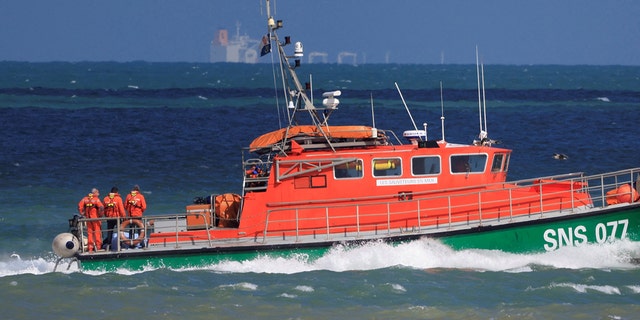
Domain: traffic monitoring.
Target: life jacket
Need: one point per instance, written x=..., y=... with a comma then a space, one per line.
x=112, y=205
x=88, y=201
x=90, y=206
x=135, y=204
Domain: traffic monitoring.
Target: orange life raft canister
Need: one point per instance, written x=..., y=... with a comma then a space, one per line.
x=624, y=193
x=226, y=208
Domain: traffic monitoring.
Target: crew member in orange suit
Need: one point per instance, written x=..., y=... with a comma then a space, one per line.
x=91, y=207
x=113, y=208
x=135, y=203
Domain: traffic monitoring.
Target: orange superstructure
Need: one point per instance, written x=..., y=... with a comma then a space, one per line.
x=364, y=186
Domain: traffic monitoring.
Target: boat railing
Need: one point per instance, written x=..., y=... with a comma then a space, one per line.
x=525, y=199
x=256, y=174
x=390, y=132
x=600, y=185
x=558, y=177
x=172, y=225
x=175, y=225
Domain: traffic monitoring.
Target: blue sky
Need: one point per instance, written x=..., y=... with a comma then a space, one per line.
x=406, y=31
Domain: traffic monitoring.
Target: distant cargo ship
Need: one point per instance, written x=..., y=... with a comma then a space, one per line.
x=241, y=49
x=244, y=49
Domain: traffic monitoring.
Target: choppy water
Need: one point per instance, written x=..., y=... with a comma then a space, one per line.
x=176, y=129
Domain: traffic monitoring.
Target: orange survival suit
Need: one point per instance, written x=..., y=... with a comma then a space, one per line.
x=113, y=208
x=91, y=207
x=135, y=204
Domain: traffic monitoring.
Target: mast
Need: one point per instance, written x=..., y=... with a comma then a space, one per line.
x=373, y=116
x=442, y=111
x=295, y=94
x=479, y=97
x=484, y=100
x=483, y=137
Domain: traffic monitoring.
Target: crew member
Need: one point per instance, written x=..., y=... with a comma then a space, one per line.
x=253, y=172
x=91, y=207
x=113, y=208
x=135, y=203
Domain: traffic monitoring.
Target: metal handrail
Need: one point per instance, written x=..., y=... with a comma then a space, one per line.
x=145, y=221
x=577, y=184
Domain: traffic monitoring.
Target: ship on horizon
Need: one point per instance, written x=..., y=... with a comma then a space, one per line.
x=241, y=48
x=244, y=49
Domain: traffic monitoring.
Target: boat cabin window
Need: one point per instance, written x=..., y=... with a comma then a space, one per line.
x=425, y=165
x=506, y=163
x=348, y=170
x=466, y=163
x=498, y=160
x=384, y=167
x=308, y=182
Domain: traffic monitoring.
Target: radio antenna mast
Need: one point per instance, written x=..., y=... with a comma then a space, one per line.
x=479, y=94
x=442, y=111
x=373, y=116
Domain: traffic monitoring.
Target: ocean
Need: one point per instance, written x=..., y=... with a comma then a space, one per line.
x=177, y=130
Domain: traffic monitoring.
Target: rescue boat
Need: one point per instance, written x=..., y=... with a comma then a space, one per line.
x=307, y=188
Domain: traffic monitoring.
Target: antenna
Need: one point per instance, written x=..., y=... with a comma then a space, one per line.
x=311, y=87
x=270, y=22
x=373, y=116
x=484, y=99
x=407, y=108
x=482, y=106
x=426, y=138
x=442, y=111
x=479, y=97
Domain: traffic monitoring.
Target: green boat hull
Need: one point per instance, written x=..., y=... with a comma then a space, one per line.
x=552, y=234
x=544, y=234
x=197, y=260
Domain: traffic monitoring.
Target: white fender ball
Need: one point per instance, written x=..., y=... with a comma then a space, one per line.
x=65, y=245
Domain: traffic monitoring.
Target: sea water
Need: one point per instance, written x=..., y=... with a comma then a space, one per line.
x=177, y=130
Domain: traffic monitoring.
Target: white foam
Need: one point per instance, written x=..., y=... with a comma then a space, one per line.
x=397, y=287
x=305, y=288
x=427, y=254
x=418, y=254
x=635, y=289
x=583, y=288
x=246, y=286
x=15, y=266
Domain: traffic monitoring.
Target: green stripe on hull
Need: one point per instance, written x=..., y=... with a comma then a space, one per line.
x=194, y=260
x=552, y=235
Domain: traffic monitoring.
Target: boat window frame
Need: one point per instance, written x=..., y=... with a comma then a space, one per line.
x=373, y=167
x=468, y=168
x=506, y=162
x=413, y=173
x=362, y=168
x=495, y=166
